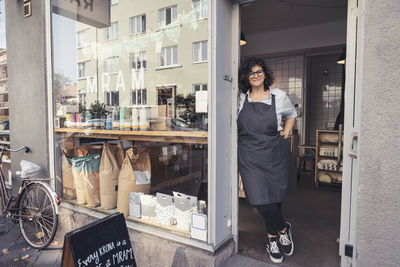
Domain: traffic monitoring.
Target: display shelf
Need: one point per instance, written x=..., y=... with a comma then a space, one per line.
x=3, y=92
x=3, y=79
x=324, y=140
x=5, y=132
x=323, y=170
x=3, y=108
x=5, y=142
x=6, y=161
x=190, y=137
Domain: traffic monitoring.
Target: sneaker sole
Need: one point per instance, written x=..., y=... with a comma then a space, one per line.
x=274, y=259
x=291, y=238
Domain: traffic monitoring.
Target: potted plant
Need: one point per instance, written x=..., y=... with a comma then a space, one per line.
x=98, y=110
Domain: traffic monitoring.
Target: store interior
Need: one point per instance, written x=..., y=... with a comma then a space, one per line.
x=302, y=42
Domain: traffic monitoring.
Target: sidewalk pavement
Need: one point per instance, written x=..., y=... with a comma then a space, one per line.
x=15, y=252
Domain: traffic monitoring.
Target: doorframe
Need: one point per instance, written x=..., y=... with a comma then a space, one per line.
x=352, y=127
x=353, y=78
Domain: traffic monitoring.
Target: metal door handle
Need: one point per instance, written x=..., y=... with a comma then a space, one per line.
x=351, y=152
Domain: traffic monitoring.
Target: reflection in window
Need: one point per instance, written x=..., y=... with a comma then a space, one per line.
x=81, y=70
x=138, y=60
x=139, y=97
x=111, y=65
x=200, y=51
x=111, y=98
x=169, y=56
x=138, y=24
x=200, y=9
x=111, y=33
x=121, y=89
x=167, y=15
x=82, y=99
x=199, y=87
x=81, y=39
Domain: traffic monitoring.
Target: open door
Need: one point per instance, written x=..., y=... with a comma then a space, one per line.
x=348, y=225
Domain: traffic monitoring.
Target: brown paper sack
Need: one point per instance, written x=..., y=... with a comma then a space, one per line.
x=69, y=191
x=86, y=177
x=138, y=161
x=110, y=165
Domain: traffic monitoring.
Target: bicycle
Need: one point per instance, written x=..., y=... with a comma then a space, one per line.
x=35, y=207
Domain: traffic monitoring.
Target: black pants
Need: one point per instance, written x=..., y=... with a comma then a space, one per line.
x=272, y=214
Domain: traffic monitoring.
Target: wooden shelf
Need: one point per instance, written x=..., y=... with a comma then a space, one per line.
x=192, y=137
x=334, y=175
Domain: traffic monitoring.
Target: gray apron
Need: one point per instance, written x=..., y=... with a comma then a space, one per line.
x=264, y=159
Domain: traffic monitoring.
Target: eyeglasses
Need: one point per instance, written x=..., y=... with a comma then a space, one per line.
x=252, y=74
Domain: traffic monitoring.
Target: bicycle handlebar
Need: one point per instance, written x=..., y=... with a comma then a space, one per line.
x=25, y=148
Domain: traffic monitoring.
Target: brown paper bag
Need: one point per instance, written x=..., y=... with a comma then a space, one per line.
x=69, y=191
x=86, y=177
x=110, y=165
x=136, y=159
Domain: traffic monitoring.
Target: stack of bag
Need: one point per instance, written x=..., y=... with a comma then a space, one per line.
x=135, y=176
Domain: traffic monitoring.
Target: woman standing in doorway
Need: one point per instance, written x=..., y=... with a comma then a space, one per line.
x=264, y=159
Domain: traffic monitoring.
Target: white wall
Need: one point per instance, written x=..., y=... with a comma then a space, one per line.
x=379, y=186
x=315, y=36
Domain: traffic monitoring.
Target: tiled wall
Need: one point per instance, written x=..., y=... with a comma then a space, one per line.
x=289, y=76
x=324, y=85
x=324, y=89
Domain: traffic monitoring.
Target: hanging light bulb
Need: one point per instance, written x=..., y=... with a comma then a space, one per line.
x=242, y=39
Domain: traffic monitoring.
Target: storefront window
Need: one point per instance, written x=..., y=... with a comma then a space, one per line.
x=131, y=109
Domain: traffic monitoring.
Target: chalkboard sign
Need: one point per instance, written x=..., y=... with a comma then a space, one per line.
x=102, y=243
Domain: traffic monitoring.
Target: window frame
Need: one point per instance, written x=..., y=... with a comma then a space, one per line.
x=139, y=100
x=82, y=63
x=174, y=11
x=172, y=56
x=83, y=43
x=142, y=59
x=116, y=64
x=143, y=21
x=115, y=30
x=200, y=54
x=202, y=11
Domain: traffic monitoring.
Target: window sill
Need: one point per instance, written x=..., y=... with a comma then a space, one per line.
x=81, y=78
x=84, y=46
x=136, y=34
x=132, y=224
x=200, y=62
x=169, y=67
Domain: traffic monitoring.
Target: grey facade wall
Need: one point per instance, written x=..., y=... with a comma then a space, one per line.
x=379, y=205
x=27, y=83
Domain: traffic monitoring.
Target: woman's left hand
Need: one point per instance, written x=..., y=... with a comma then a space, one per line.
x=285, y=135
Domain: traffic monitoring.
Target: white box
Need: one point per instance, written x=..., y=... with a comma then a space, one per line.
x=199, y=226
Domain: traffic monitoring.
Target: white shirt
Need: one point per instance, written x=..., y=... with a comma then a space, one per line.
x=283, y=105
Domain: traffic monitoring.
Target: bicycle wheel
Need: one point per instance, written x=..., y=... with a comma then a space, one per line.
x=38, y=219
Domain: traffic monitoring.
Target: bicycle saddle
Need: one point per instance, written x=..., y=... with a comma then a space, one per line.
x=28, y=169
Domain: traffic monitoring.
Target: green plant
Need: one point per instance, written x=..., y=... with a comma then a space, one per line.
x=98, y=110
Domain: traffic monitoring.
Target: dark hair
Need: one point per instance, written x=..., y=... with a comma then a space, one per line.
x=245, y=68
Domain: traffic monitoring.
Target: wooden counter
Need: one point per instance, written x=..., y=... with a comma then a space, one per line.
x=188, y=137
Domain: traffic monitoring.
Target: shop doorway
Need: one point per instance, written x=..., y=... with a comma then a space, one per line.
x=300, y=41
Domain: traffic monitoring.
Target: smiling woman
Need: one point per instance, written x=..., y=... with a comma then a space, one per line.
x=264, y=160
